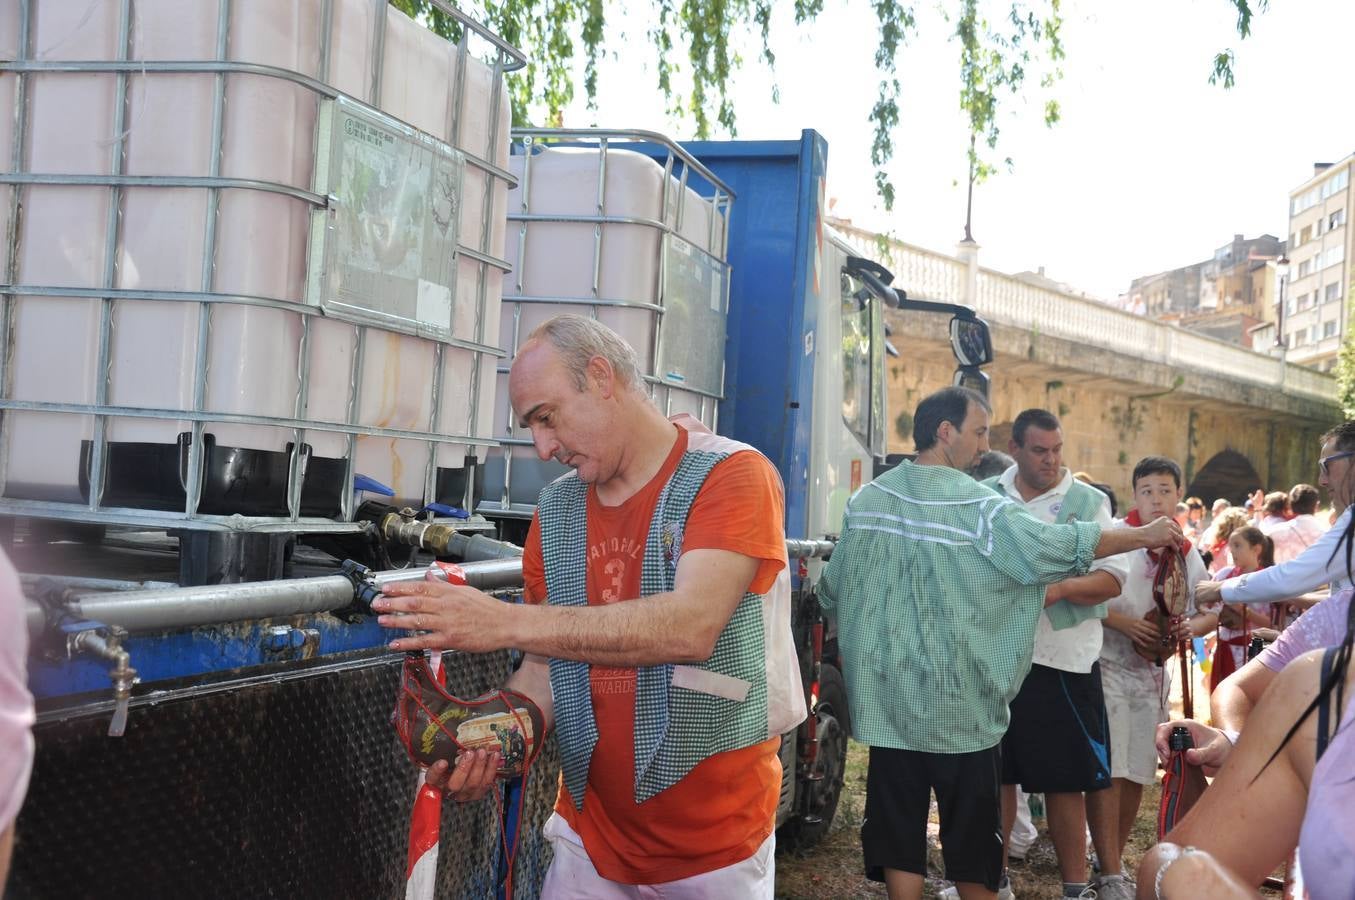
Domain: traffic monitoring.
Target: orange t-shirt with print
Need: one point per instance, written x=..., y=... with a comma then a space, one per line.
x=724, y=809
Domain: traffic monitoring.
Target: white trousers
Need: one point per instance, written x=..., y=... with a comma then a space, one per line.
x=571, y=875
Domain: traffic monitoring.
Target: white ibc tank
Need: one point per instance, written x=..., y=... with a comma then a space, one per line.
x=634, y=239
x=142, y=288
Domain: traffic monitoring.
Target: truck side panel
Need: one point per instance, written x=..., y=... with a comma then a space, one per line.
x=775, y=240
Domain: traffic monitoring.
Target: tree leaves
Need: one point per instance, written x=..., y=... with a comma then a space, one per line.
x=1345, y=372
x=997, y=53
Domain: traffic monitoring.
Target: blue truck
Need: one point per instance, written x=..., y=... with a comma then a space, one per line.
x=233, y=739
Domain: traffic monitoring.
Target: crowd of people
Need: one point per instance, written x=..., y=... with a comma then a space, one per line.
x=1071, y=650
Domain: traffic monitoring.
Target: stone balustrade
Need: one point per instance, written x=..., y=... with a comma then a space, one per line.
x=1002, y=299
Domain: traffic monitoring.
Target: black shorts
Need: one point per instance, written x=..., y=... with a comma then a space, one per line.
x=1058, y=741
x=899, y=785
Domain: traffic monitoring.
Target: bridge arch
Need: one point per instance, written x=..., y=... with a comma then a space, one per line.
x=1227, y=474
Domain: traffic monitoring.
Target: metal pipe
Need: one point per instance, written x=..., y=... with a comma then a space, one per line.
x=445, y=539
x=172, y=608
x=806, y=549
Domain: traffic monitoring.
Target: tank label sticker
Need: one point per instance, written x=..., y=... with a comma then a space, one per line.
x=384, y=252
x=691, y=351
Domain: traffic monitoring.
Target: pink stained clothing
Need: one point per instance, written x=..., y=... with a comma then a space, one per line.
x=16, y=703
x=1324, y=625
x=1269, y=524
x=1221, y=559
x=1327, y=838
x=1295, y=536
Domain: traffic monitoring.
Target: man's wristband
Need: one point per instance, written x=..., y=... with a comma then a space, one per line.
x=1162, y=869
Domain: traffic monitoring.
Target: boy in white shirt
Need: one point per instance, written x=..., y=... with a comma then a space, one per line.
x=1134, y=688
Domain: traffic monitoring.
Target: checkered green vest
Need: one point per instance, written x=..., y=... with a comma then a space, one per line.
x=675, y=728
x=1080, y=504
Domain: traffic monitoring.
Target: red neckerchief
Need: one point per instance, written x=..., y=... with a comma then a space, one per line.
x=1133, y=521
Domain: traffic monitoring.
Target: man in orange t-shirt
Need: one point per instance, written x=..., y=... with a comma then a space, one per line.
x=577, y=387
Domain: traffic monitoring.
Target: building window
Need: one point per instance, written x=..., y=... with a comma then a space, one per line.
x=1337, y=184
x=1302, y=301
x=1334, y=255
x=1333, y=292
x=1329, y=329
x=1306, y=234
x=1336, y=219
x=1304, y=268
x=1291, y=307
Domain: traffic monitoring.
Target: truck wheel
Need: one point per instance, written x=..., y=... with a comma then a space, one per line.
x=816, y=797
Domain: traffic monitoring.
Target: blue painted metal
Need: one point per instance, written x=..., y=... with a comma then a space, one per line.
x=367, y=483
x=775, y=233
x=195, y=653
x=442, y=509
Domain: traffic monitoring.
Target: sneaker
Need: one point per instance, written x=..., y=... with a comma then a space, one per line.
x=1114, y=887
x=951, y=892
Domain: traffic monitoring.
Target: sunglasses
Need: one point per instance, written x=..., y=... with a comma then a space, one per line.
x=1322, y=463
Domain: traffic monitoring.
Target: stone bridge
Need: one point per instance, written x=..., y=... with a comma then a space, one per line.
x=1123, y=385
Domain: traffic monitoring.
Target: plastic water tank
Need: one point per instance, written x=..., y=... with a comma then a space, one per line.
x=141, y=289
x=607, y=231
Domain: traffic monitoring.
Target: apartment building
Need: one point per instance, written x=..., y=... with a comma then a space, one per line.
x=1224, y=296
x=1318, y=283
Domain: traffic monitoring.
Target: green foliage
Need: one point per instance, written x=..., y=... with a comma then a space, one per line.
x=1224, y=59
x=996, y=55
x=1345, y=372
x=903, y=425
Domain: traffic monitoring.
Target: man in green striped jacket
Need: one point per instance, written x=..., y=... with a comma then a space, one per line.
x=936, y=585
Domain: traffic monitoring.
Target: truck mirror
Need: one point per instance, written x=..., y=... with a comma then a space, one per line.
x=970, y=341
x=875, y=276
x=972, y=377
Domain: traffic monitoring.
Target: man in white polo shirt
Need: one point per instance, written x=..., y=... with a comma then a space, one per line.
x=1057, y=743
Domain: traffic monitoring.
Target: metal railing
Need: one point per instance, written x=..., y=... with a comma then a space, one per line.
x=1003, y=299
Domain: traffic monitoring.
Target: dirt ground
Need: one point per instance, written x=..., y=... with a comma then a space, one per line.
x=832, y=871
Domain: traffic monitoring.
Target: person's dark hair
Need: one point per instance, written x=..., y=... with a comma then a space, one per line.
x=1110, y=495
x=1303, y=499
x=1343, y=435
x=1257, y=538
x=1156, y=465
x=994, y=462
x=1275, y=504
x=1194, y=503
x=949, y=404
x=1026, y=419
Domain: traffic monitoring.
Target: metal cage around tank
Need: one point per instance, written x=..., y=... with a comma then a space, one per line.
x=308, y=496
x=681, y=219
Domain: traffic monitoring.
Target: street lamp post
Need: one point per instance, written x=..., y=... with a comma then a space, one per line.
x=1282, y=274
